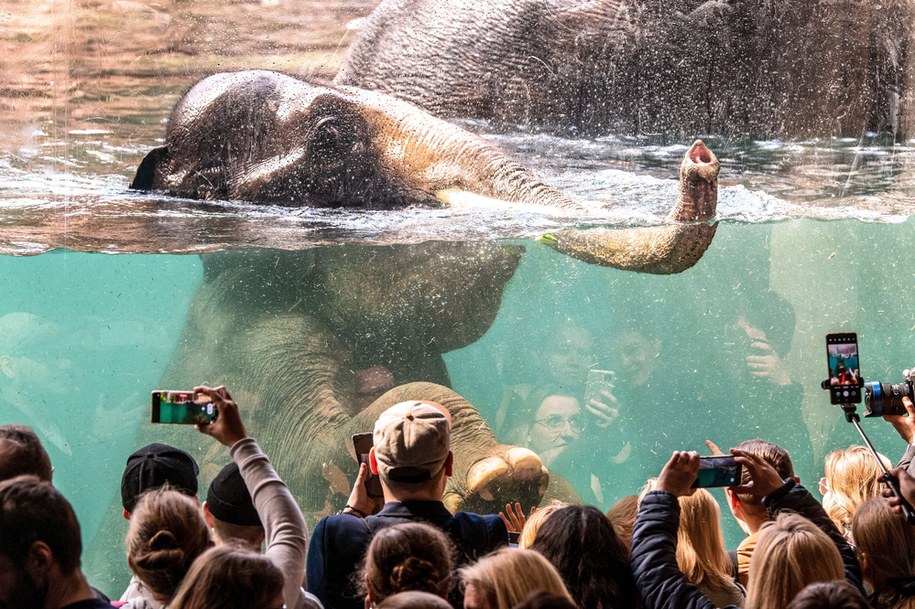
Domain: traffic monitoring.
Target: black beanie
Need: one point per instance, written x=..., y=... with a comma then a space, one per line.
x=228, y=498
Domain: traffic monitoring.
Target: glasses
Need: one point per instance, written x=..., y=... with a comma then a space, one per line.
x=556, y=423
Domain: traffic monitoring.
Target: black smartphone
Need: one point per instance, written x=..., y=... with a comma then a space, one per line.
x=844, y=378
x=363, y=443
x=181, y=407
x=718, y=471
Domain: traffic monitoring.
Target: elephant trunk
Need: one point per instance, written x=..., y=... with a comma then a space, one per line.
x=668, y=249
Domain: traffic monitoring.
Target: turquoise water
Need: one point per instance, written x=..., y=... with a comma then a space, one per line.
x=815, y=237
x=116, y=320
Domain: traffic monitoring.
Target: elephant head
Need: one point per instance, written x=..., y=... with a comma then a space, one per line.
x=269, y=138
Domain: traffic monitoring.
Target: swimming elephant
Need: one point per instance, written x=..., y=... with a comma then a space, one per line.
x=307, y=340
x=789, y=69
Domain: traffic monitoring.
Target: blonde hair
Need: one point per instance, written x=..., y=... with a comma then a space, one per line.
x=852, y=477
x=167, y=532
x=887, y=542
x=700, y=544
x=791, y=553
x=622, y=516
x=507, y=576
x=529, y=532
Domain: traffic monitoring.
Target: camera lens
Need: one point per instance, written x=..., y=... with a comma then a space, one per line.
x=885, y=398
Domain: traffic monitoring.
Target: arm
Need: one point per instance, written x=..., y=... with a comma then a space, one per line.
x=653, y=557
x=794, y=497
x=284, y=526
x=904, y=424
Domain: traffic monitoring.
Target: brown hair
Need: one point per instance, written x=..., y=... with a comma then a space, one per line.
x=622, y=516
x=230, y=576
x=167, y=533
x=791, y=553
x=21, y=453
x=829, y=595
x=32, y=510
x=414, y=599
x=408, y=556
x=536, y=520
x=774, y=455
x=886, y=544
x=506, y=577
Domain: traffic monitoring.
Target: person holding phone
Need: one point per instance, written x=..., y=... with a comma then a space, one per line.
x=800, y=547
x=411, y=455
x=284, y=527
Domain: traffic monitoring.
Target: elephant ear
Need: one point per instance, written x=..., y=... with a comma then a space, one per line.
x=146, y=172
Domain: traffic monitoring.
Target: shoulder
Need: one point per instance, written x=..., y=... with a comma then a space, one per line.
x=482, y=531
x=348, y=527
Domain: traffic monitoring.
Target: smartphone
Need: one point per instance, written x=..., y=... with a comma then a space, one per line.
x=363, y=443
x=844, y=378
x=599, y=381
x=718, y=471
x=181, y=407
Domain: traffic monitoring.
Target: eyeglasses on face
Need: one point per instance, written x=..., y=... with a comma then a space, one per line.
x=556, y=422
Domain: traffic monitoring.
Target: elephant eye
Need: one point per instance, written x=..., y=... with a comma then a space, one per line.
x=327, y=135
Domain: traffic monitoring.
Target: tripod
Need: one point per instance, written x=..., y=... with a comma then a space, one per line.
x=851, y=415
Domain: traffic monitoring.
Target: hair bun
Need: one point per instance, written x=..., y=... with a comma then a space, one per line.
x=415, y=574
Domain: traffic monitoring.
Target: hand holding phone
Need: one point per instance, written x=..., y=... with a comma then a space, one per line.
x=227, y=428
x=181, y=407
x=363, y=443
x=599, y=398
x=715, y=471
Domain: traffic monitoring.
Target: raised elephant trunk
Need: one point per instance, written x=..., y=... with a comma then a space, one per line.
x=657, y=249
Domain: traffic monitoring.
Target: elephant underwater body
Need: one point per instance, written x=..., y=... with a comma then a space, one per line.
x=789, y=69
x=308, y=340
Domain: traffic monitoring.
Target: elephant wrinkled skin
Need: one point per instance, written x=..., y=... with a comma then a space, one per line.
x=788, y=69
x=307, y=340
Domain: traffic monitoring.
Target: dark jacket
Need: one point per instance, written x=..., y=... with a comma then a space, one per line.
x=338, y=545
x=654, y=545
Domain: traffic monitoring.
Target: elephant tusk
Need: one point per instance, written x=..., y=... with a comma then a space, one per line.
x=457, y=198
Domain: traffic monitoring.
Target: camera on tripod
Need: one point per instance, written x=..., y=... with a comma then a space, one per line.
x=844, y=385
x=886, y=398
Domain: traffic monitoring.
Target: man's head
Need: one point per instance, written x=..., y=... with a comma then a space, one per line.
x=412, y=446
x=749, y=507
x=229, y=511
x=21, y=453
x=39, y=541
x=154, y=466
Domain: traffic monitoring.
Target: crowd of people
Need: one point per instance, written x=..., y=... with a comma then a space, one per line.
x=247, y=547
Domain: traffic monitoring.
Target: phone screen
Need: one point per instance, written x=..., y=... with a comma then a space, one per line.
x=845, y=380
x=599, y=381
x=363, y=443
x=181, y=408
x=718, y=471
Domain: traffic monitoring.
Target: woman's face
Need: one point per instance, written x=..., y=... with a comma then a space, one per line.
x=558, y=422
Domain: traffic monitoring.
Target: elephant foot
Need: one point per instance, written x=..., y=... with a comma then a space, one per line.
x=514, y=474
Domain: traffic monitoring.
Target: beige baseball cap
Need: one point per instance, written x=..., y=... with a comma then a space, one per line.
x=412, y=441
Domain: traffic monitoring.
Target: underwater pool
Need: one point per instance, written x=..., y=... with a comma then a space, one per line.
x=97, y=282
